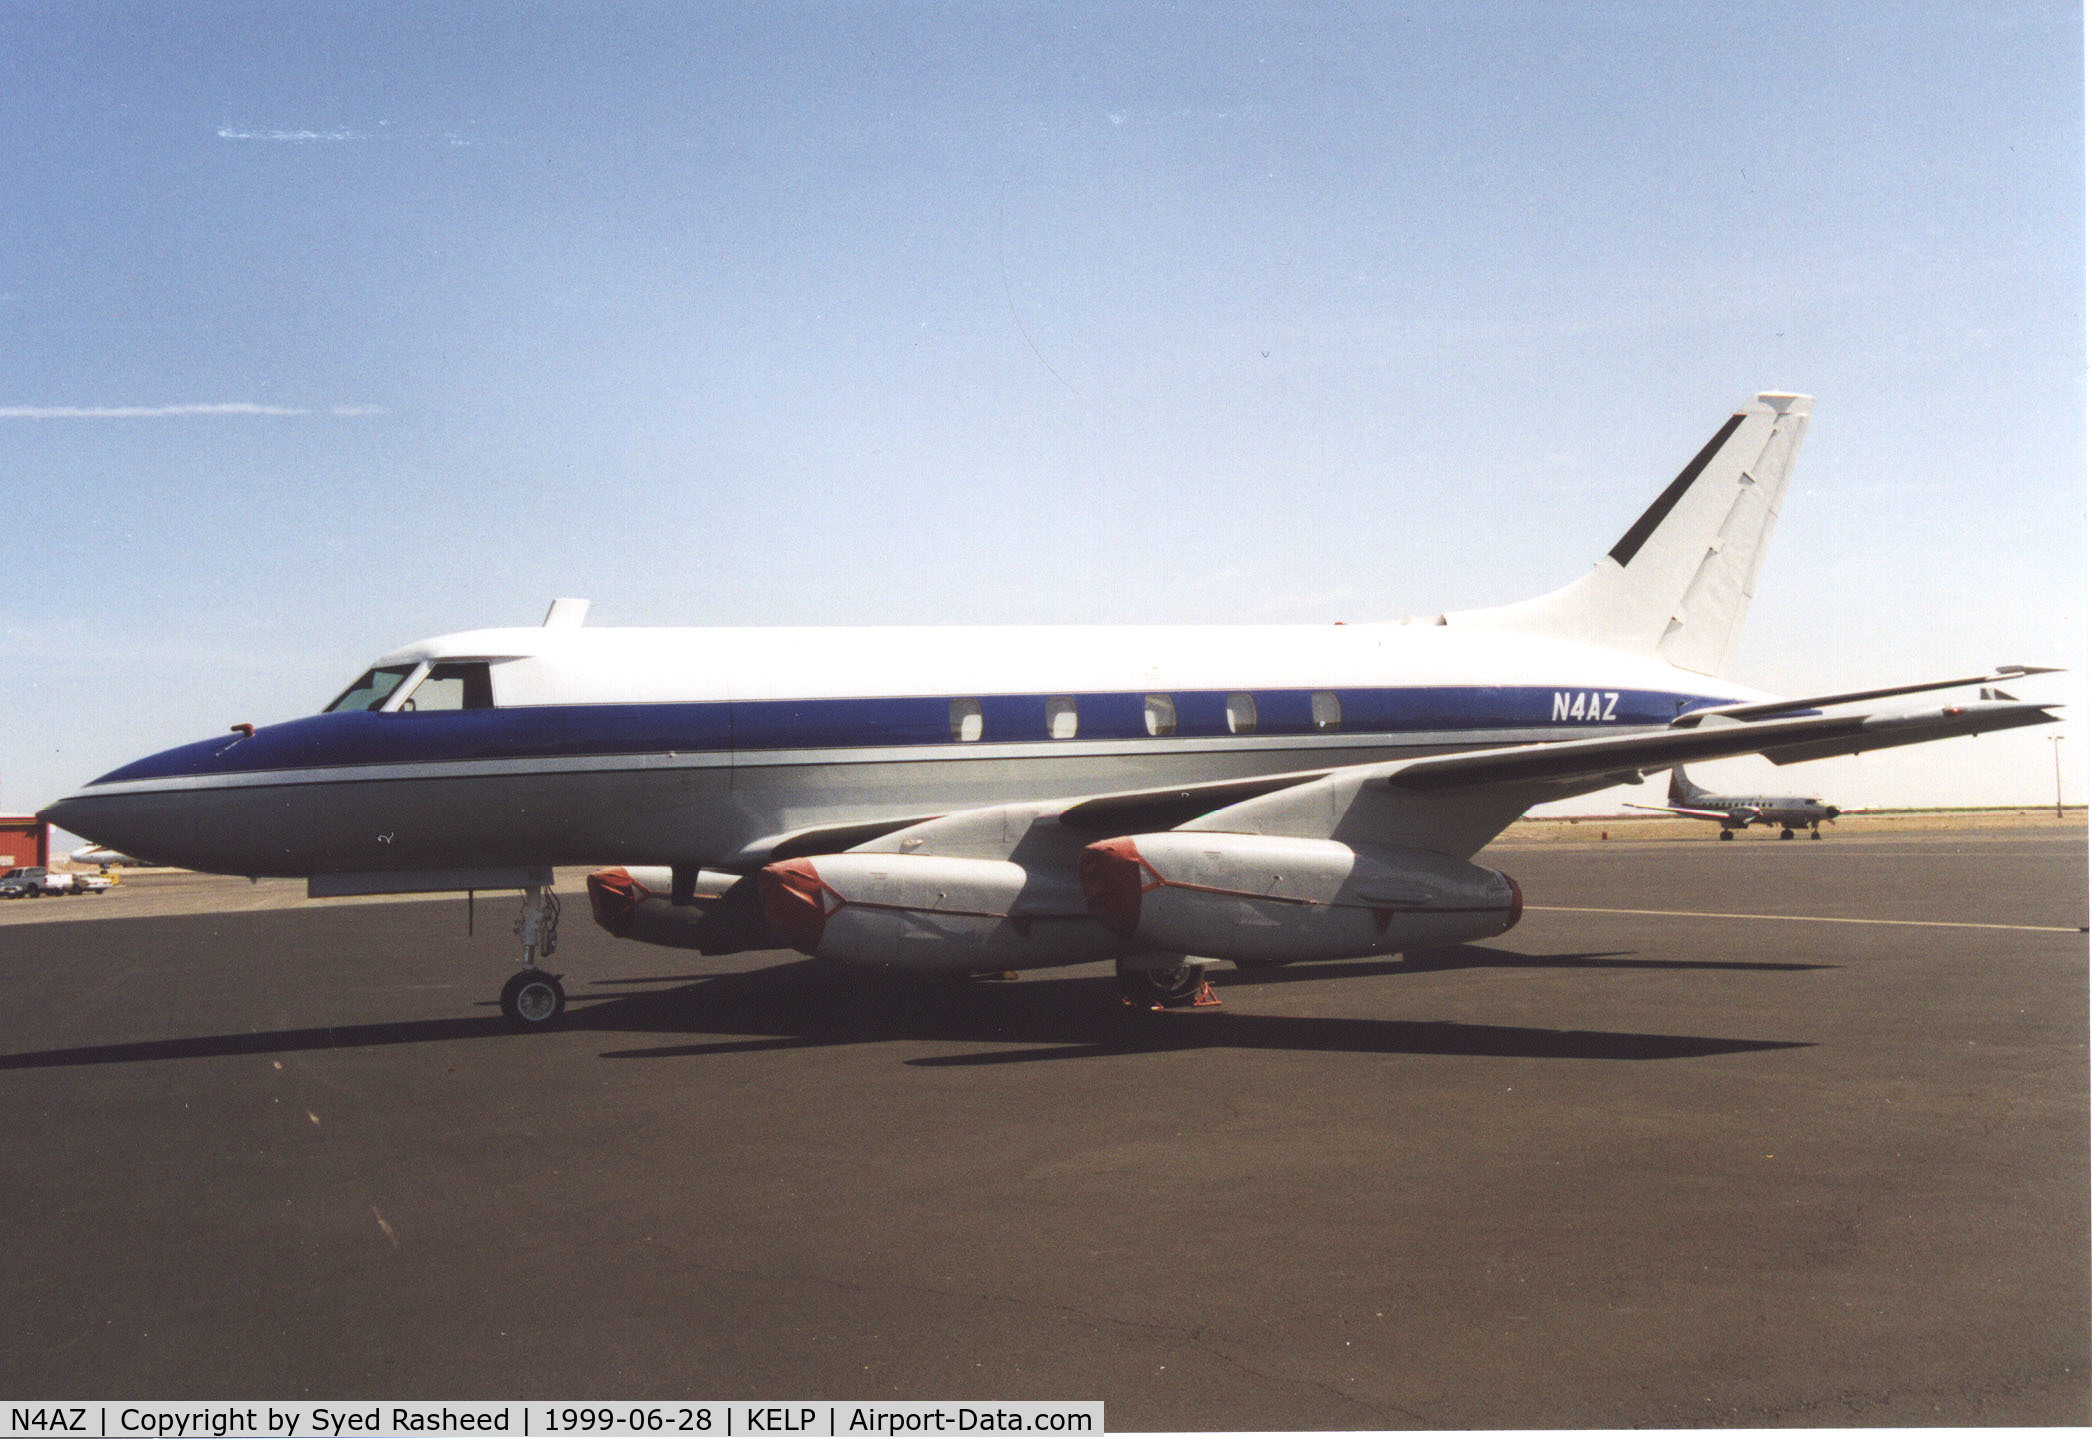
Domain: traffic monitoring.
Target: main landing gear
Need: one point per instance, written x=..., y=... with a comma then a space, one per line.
x=1177, y=986
x=533, y=999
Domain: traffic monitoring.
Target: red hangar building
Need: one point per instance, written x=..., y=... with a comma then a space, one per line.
x=24, y=840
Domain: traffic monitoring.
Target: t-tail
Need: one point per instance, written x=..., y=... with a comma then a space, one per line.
x=1678, y=582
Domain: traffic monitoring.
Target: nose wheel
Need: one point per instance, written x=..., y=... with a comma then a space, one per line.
x=533, y=999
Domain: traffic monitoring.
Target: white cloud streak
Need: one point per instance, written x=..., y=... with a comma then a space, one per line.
x=465, y=139
x=289, y=137
x=164, y=412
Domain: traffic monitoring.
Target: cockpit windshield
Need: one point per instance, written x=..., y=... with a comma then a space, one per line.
x=373, y=689
x=452, y=687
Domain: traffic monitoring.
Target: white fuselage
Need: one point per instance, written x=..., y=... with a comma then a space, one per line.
x=704, y=747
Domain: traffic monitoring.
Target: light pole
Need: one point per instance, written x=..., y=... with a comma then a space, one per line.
x=2057, y=741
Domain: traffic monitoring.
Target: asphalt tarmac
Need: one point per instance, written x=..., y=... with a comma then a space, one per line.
x=1639, y=1162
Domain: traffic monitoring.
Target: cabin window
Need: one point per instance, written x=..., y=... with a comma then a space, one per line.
x=966, y=720
x=1242, y=714
x=1327, y=709
x=1060, y=717
x=372, y=690
x=452, y=687
x=1161, y=714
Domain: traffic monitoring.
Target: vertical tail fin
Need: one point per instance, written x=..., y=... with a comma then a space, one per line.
x=1683, y=791
x=1678, y=582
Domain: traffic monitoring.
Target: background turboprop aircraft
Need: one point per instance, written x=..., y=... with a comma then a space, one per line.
x=953, y=801
x=1787, y=813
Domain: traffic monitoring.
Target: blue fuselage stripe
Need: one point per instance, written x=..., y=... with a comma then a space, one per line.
x=772, y=727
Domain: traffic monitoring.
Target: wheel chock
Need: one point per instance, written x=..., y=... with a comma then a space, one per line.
x=1205, y=998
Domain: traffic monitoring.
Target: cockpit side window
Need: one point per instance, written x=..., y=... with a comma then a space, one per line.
x=452, y=687
x=372, y=690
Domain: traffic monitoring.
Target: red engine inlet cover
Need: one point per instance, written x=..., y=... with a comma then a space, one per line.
x=613, y=897
x=795, y=902
x=1113, y=875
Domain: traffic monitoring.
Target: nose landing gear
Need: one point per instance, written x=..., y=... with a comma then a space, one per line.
x=533, y=999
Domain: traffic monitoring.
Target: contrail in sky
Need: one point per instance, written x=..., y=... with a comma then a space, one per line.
x=383, y=132
x=161, y=412
x=291, y=137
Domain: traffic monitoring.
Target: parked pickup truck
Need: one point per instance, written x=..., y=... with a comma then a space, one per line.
x=31, y=881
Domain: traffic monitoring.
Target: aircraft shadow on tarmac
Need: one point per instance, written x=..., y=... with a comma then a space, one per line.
x=801, y=1004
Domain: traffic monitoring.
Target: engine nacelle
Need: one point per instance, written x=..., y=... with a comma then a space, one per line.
x=718, y=917
x=931, y=914
x=1272, y=899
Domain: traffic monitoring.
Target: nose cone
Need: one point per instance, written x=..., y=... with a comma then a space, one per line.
x=165, y=809
x=136, y=825
x=1830, y=811
x=78, y=814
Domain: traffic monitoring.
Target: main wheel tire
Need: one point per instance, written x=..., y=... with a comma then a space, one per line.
x=1728, y=834
x=1179, y=984
x=1786, y=834
x=533, y=1000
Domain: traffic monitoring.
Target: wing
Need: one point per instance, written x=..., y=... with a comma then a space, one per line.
x=1254, y=873
x=1723, y=815
x=1453, y=804
x=1457, y=803
x=1767, y=709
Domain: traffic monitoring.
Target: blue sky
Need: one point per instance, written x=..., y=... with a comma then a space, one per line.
x=329, y=327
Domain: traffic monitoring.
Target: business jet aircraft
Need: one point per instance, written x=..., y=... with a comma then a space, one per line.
x=101, y=857
x=967, y=800
x=1740, y=811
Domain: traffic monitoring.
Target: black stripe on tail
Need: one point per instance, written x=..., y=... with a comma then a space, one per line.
x=1632, y=541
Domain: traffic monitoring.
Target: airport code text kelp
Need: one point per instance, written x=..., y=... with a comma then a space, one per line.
x=804, y=1420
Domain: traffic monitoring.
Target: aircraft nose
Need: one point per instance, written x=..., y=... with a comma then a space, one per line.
x=62, y=815
x=1830, y=811
x=107, y=820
